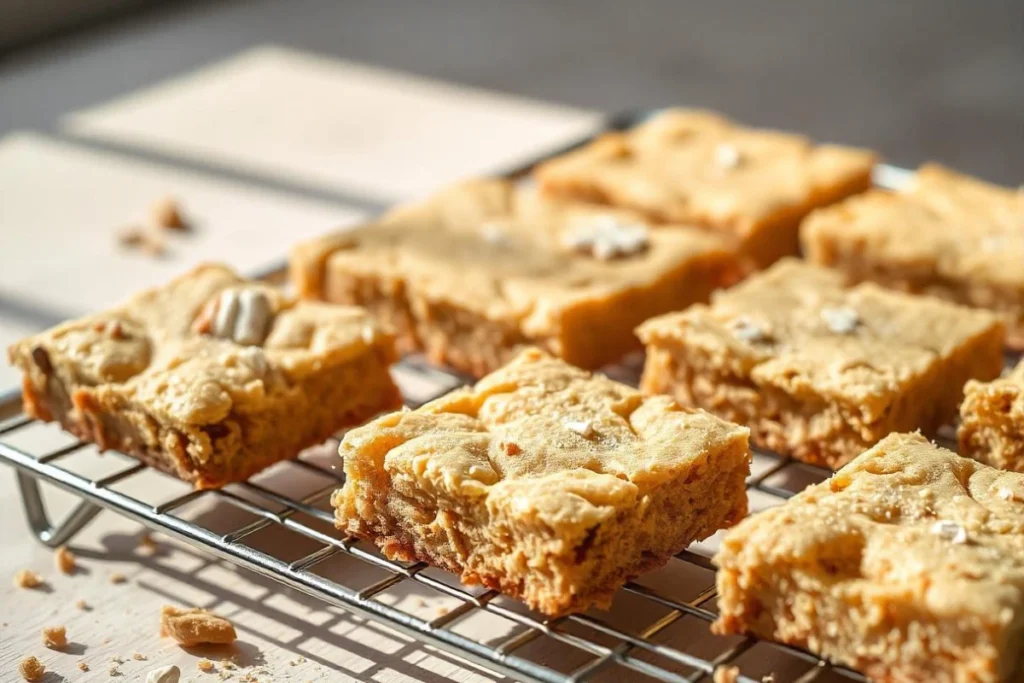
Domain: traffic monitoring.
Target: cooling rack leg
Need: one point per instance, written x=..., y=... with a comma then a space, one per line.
x=39, y=521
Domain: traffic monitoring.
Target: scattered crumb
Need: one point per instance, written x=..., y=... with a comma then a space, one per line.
x=117, y=659
x=65, y=560
x=727, y=156
x=106, y=640
x=228, y=664
x=82, y=605
x=164, y=674
x=205, y=665
x=298, y=660
x=195, y=626
x=147, y=544
x=224, y=675
x=726, y=674
x=55, y=637
x=584, y=428
x=165, y=214
x=139, y=657
x=419, y=602
x=768, y=678
x=118, y=577
x=83, y=666
x=27, y=578
x=112, y=670
x=441, y=611
x=31, y=669
x=146, y=241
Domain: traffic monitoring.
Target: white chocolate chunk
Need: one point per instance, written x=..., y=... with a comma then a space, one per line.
x=583, y=428
x=253, y=317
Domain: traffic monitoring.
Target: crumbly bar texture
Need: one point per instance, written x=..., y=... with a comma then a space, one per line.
x=485, y=267
x=946, y=235
x=545, y=482
x=817, y=370
x=696, y=167
x=907, y=565
x=211, y=377
x=992, y=421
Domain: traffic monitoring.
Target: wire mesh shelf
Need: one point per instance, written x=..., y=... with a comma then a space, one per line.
x=649, y=652
x=671, y=644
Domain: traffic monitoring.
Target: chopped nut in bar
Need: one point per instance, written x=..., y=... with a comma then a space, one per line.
x=946, y=235
x=818, y=370
x=907, y=565
x=691, y=167
x=211, y=377
x=485, y=267
x=602, y=484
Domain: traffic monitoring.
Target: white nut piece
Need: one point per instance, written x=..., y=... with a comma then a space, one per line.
x=253, y=317
x=164, y=674
x=842, y=320
x=606, y=237
x=227, y=311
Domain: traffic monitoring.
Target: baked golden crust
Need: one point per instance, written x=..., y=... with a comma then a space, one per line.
x=908, y=565
x=484, y=267
x=154, y=379
x=818, y=370
x=992, y=421
x=946, y=235
x=544, y=482
x=695, y=167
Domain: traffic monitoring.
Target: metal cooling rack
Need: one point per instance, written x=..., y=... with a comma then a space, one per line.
x=612, y=649
x=639, y=652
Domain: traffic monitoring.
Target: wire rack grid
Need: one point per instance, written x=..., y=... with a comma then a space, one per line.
x=610, y=649
x=606, y=644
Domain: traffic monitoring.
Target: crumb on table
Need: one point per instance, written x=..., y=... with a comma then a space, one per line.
x=65, y=560
x=195, y=626
x=26, y=578
x=81, y=604
x=118, y=577
x=166, y=214
x=83, y=666
x=55, y=637
x=205, y=665
x=31, y=669
x=139, y=657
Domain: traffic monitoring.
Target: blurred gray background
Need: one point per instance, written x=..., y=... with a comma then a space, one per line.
x=916, y=79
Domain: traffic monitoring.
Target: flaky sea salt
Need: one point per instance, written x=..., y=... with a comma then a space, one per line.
x=950, y=531
x=583, y=428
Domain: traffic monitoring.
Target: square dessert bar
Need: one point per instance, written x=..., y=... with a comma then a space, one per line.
x=946, y=235
x=817, y=370
x=907, y=565
x=211, y=377
x=485, y=267
x=545, y=482
x=992, y=421
x=695, y=167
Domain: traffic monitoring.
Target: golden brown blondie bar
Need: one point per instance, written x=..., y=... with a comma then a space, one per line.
x=817, y=370
x=947, y=235
x=908, y=565
x=992, y=421
x=211, y=377
x=543, y=481
x=696, y=167
x=484, y=267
